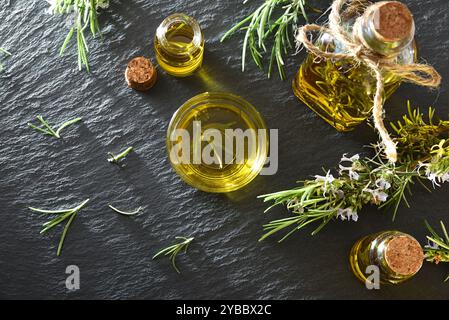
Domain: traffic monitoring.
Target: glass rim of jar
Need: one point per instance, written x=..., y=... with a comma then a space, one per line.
x=245, y=107
x=176, y=18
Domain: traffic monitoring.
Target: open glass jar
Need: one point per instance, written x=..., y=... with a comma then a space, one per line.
x=179, y=45
x=217, y=142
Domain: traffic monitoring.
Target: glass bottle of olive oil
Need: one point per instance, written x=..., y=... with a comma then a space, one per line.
x=397, y=257
x=342, y=91
x=179, y=45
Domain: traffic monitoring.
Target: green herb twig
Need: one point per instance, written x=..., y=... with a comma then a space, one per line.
x=85, y=17
x=173, y=250
x=62, y=215
x=5, y=52
x=126, y=213
x=261, y=27
x=48, y=130
x=117, y=158
x=438, y=248
x=360, y=181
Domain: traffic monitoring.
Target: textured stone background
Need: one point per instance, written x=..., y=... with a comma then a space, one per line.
x=114, y=252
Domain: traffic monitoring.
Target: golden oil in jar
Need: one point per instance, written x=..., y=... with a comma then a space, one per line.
x=217, y=142
x=179, y=45
x=342, y=91
x=397, y=256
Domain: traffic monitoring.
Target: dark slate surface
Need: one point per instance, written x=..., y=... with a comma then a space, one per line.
x=114, y=252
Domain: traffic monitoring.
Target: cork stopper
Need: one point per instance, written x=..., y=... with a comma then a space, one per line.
x=393, y=20
x=404, y=255
x=140, y=74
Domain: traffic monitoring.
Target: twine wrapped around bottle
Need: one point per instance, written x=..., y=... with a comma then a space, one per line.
x=420, y=74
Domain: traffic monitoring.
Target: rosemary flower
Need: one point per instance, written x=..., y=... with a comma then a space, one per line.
x=347, y=214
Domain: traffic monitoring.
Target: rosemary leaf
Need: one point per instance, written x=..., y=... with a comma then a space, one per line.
x=438, y=248
x=63, y=215
x=85, y=16
x=48, y=130
x=260, y=28
x=116, y=159
x=173, y=250
x=130, y=213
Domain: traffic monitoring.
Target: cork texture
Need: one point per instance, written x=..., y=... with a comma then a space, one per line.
x=140, y=74
x=393, y=20
x=404, y=255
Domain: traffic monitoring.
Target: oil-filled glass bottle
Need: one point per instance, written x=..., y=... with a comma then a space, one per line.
x=179, y=45
x=398, y=256
x=342, y=91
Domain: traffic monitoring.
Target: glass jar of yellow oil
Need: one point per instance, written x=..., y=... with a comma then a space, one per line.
x=342, y=91
x=396, y=255
x=179, y=45
x=217, y=142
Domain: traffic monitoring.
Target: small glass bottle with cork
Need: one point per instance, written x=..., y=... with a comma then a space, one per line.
x=342, y=91
x=397, y=255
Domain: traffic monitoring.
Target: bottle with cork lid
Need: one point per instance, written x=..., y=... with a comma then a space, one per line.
x=342, y=91
x=397, y=255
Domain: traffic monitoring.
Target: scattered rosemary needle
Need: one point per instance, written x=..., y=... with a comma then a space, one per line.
x=62, y=215
x=48, y=130
x=5, y=52
x=117, y=158
x=130, y=213
x=173, y=250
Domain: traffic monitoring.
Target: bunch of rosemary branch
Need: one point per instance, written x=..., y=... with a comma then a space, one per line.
x=438, y=248
x=84, y=17
x=261, y=27
x=424, y=150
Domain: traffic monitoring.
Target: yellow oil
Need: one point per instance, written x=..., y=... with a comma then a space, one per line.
x=341, y=92
x=370, y=251
x=178, y=54
x=220, y=112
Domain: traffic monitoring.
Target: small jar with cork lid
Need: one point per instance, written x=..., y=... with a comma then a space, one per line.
x=342, y=91
x=397, y=255
x=179, y=45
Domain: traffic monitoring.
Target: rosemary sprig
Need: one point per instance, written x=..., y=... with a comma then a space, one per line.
x=261, y=27
x=48, y=130
x=116, y=159
x=62, y=215
x=437, y=250
x=85, y=17
x=126, y=213
x=173, y=250
x=5, y=52
x=370, y=180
